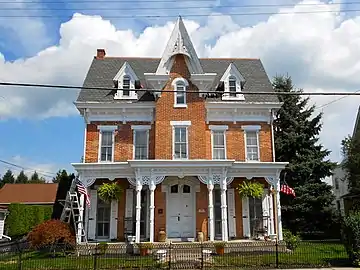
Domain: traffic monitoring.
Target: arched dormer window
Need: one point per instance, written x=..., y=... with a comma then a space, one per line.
x=180, y=85
x=126, y=85
x=232, y=86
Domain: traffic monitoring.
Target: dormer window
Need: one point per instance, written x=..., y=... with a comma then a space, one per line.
x=180, y=85
x=233, y=84
x=125, y=81
x=126, y=85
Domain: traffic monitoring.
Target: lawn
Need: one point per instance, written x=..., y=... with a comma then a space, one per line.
x=307, y=254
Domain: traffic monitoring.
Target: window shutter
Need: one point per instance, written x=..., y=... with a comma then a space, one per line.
x=231, y=213
x=114, y=219
x=92, y=215
x=246, y=217
x=265, y=210
x=129, y=211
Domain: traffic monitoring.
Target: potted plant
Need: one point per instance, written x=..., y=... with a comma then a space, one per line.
x=145, y=248
x=220, y=247
x=109, y=191
x=251, y=189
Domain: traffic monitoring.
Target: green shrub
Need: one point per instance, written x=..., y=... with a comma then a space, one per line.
x=351, y=237
x=109, y=191
x=23, y=218
x=51, y=232
x=292, y=241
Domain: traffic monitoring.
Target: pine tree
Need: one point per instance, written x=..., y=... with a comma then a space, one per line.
x=8, y=178
x=22, y=178
x=35, y=179
x=296, y=133
x=64, y=180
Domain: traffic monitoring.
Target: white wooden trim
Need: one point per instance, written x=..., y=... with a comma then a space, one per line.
x=251, y=127
x=258, y=144
x=265, y=211
x=92, y=214
x=141, y=127
x=2, y=222
x=187, y=140
x=180, y=123
x=147, y=141
x=107, y=128
x=85, y=136
x=246, y=217
x=113, y=145
x=218, y=127
x=212, y=142
x=231, y=213
x=114, y=219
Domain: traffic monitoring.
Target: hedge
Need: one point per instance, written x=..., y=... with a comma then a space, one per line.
x=23, y=218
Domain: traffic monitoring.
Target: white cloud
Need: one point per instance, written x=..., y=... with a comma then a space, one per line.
x=319, y=50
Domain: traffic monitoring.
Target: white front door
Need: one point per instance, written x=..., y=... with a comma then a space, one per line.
x=180, y=221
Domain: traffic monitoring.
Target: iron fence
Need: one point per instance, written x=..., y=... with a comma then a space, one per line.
x=244, y=254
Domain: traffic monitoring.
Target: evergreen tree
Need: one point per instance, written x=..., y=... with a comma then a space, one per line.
x=8, y=178
x=296, y=133
x=22, y=178
x=64, y=180
x=35, y=179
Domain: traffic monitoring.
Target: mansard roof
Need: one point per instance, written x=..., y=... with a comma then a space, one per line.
x=102, y=72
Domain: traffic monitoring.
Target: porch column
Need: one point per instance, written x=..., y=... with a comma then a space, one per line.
x=138, y=209
x=81, y=219
x=152, y=188
x=278, y=210
x=210, y=187
x=224, y=220
x=271, y=214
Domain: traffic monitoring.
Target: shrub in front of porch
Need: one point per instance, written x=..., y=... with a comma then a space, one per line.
x=109, y=191
x=51, y=232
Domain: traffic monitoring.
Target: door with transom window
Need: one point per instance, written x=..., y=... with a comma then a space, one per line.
x=180, y=211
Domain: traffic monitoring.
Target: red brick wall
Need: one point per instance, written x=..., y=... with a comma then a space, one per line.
x=160, y=204
x=202, y=203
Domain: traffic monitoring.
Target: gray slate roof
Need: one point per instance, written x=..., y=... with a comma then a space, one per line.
x=102, y=72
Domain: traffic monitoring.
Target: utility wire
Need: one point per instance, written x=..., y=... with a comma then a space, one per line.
x=177, y=8
x=72, y=87
x=187, y=16
x=100, y=1
x=45, y=173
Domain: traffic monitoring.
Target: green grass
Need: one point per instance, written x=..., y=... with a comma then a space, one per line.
x=309, y=254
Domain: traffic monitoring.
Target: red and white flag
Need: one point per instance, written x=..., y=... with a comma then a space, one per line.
x=287, y=190
x=83, y=190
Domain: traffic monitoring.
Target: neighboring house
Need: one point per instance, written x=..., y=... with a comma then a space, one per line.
x=3, y=213
x=179, y=156
x=342, y=201
x=31, y=194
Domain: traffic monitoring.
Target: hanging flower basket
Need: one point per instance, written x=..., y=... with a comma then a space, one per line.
x=250, y=189
x=109, y=191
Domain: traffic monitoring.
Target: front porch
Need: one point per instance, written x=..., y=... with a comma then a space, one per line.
x=189, y=196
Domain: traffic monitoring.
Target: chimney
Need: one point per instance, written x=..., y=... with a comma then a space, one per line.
x=100, y=54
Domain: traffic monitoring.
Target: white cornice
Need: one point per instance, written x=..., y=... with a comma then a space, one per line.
x=259, y=165
x=203, y=81
x=126, y=69
x=156, y=81
x=114, y=105
x=242, y=105
x=168, y=163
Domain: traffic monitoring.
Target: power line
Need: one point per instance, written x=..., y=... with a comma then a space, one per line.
x=72, y=87
x=100, y=1
x=45, y=173
x=333, y=101
x=187, y=16
x=177, y=8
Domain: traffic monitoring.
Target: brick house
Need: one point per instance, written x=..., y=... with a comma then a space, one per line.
x=178, y=156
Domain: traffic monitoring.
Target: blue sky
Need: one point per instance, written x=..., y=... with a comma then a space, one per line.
x=40, y=128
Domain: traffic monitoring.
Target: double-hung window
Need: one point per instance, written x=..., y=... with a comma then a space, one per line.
x=126, y=85
x=218, y=140
x=106, y=144
x=141, y=142
x=252, y=149
x=180, y=85
x=180, y=139
x=232, y=86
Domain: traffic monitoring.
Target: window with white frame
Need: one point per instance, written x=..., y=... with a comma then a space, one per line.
x=106, y=149
x=126, y=85
x=180, y=85
x=141, y=144
x=218, y=141
x=252, y=145
x=180, y=143
x=232, y=86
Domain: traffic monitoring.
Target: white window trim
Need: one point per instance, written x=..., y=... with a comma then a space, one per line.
x=252, y=128
x=141, y=128
x=112, y=129
x=232, y=71
x=218, y=127
x=179, y=124
x=174, y=84
x=212, y=140
x=126, y=70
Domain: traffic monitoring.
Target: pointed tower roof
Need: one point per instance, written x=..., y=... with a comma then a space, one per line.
x=179, y=43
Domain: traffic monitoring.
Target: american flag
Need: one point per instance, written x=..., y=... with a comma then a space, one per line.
x=83, y=190
x=287, y=190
